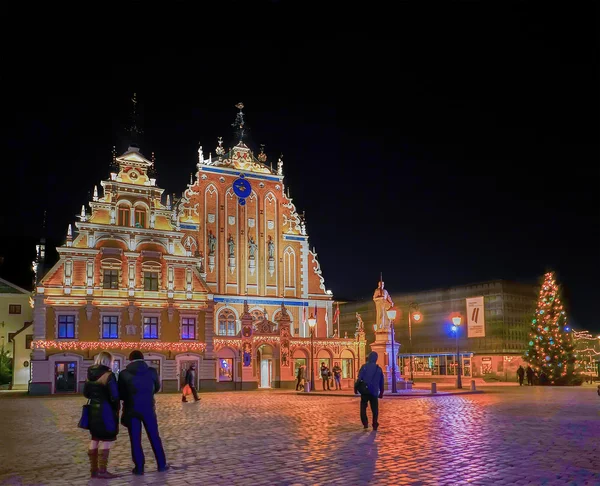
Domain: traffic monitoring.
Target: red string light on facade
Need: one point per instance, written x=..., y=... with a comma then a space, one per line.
x=122, y=345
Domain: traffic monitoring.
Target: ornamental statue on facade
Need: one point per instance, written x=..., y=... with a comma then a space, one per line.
x=252, y=246
x=383, y=302
x=231, y=245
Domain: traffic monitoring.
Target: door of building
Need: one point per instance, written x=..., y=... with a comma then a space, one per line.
x=65, y=376
x=266, y=371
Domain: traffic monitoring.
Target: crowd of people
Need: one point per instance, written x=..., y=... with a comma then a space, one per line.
x=135, y=387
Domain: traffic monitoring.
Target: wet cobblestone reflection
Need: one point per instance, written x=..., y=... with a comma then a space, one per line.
x=505, y=436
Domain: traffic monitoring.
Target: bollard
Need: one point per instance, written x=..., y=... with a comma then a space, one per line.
x=307, y=386
x=433, y=388
x=473, y=385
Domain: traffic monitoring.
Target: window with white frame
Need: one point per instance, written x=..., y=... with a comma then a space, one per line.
x=110, y=327
x=188, y=328
x=150, y=327
x=66, y=327
x=227, y=322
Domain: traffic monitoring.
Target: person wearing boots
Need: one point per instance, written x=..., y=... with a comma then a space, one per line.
x=190, y=380
x=138, y=383
x=102, y=391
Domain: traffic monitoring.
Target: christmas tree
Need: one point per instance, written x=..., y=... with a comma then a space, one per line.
x=550, y=352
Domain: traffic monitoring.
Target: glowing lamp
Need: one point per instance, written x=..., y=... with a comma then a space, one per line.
x=417, y=316
x=456, y=320
x=312, y=321
x=391, y=313
x=375, y=327
x=454, y=328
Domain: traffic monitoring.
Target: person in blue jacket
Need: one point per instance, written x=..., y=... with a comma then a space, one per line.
x=138, y=383
x=370, y=385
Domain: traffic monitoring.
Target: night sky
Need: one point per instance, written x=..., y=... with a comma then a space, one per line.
x=463, y=148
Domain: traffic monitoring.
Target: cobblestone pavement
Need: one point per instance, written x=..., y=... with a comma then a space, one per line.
x=504, y=436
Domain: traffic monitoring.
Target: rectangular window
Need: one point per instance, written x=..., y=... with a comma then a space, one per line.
x=140, y=218
x=150, y=327
x=66, y=327
x=347, y=368
x=28, y=339
x=231, y=328
x=111, y=279
x=14, y=308
x=188, y=328
x=225, y=369
x=110, y=327
x=151, y=281
x=123, y=216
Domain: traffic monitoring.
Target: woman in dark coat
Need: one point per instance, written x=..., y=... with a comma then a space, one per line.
x=102, y=390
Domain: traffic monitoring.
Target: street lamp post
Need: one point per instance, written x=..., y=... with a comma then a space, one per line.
x=312, y=321
x=391, y=313
x=417, y=317
x=456, y=321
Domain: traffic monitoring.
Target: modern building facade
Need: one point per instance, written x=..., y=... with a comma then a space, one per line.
x=222, y=277
x=507, y=310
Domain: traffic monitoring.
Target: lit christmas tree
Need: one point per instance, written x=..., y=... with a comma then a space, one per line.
x=551, y=346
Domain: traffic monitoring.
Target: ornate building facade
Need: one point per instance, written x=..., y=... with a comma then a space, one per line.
x=222, y=277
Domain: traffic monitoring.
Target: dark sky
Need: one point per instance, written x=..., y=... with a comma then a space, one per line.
x=464, y=147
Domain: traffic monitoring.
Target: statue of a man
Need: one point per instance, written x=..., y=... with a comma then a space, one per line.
x=252, y=246
x=271, y=248
x=212, y=243
x=231, y=244
x=383, y=302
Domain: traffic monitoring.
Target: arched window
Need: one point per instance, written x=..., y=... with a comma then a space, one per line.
x=124, y=216
x=227, y=323
x=140, y=217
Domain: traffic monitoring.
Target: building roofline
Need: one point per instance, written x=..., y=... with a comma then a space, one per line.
x=16, y=287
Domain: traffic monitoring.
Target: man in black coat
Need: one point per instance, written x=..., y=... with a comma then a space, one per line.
x=138, y=383
x=190, y=379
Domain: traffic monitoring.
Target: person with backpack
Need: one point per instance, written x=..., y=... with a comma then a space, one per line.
x=370, y=386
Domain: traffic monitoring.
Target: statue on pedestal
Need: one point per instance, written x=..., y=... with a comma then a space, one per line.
x=383, y=302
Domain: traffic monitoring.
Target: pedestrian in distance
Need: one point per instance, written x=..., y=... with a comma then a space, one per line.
x=370, y=386
x=325, y=377
x=300, y=378
x=103, y=393
x=190, y=380
x=521, y=375
x=138, y=383
x=337, y=376
x=529, y=376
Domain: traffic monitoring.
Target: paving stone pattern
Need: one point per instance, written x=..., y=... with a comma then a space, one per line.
x=506, y=436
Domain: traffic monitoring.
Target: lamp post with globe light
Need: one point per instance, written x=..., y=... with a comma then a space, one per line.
x=412, y=316
x=391, y=313
x=456, y=320
x=312, y=321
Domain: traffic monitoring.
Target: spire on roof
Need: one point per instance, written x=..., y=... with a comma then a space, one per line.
x=239, y=124
x=135, y=129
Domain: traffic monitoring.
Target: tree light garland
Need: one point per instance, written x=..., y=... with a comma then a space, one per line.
x=122, y=345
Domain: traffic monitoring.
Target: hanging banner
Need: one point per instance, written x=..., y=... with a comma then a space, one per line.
x=475, y=317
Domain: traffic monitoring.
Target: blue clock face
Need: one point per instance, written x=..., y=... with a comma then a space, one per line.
x=241, y=187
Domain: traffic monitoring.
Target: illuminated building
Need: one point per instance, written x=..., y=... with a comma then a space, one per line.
x=173, y=277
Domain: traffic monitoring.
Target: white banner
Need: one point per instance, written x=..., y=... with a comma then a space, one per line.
x=475, y=317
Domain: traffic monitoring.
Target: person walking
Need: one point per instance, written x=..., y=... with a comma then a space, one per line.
x=337, y=376
x=138, y=383
x=529, y=373
x=325, y=376
x=300, y=378
x=370, y=386
x=190, y=380
x=521, y=374
x=102, y=391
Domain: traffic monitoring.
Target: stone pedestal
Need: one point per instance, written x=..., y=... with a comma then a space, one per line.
x=383, y=347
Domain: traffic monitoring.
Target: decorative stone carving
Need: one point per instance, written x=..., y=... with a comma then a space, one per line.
x=383, y=302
